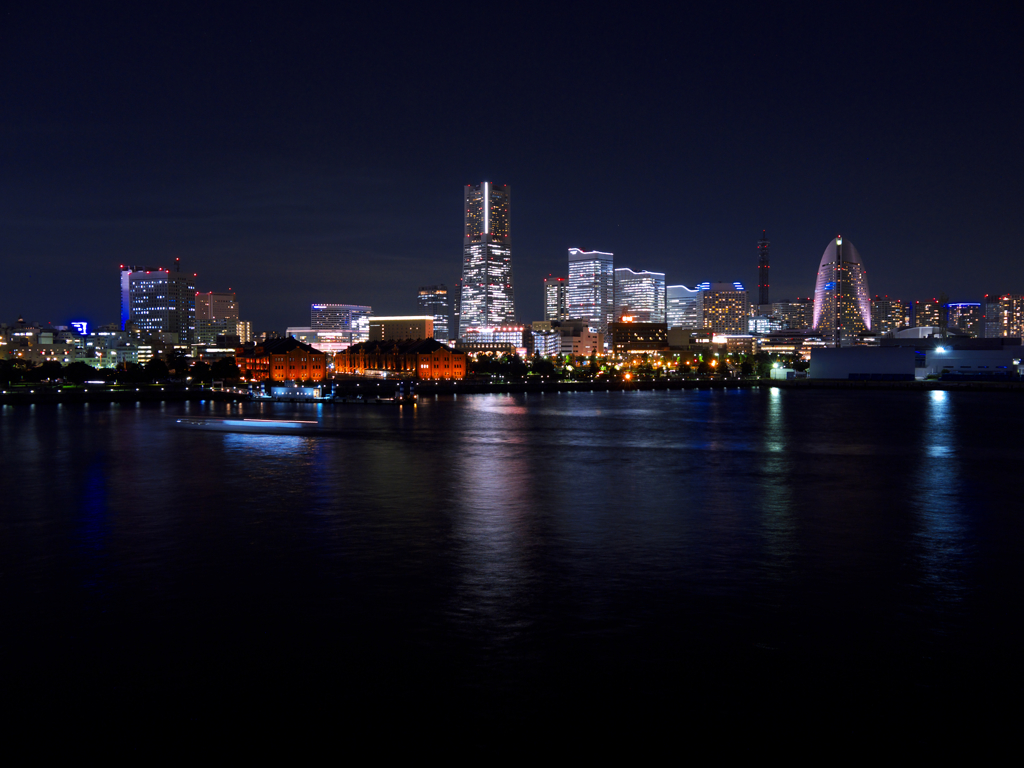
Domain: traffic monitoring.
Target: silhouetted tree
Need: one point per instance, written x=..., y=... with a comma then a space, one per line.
x=156, y=370
x=224, y=368
x=201, y=372
x=79, y=372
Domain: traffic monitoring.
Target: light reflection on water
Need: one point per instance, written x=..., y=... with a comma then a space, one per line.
x=939, y=498
x=617, y=524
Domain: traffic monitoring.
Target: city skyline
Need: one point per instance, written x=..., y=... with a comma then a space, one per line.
x=116, y=152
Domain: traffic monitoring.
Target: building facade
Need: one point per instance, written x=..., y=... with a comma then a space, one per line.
x=965, y=317
x=632, y=338
x=350, y=321
x=399, y=328
x=591, y=292
x=434, y=301
x=640, y=295
x=889, y=315
x=929, y=314
x=1004, y=316
x=684, y=307
x=217, y=315
x=725, y=307
x=426, y=359
x=795, y=315
x=842, y=302
x=556, y=292
x=487, y=295
x=281, y=360
x=161, y=301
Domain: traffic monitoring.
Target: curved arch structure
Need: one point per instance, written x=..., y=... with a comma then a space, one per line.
x=842, y=302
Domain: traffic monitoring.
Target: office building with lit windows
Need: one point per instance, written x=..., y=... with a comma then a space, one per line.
x=591, y=293
x=161, y=301
x=842, y=302
x=1004, y=316
x=684, y=307
x=433, y=300
x=487, y=296
x=725, y=307
x=350, y=322
x=795, y=315
x=556, y=291
x=889, y=315
x=640, y=295
x=964, y=317
x=928, y=314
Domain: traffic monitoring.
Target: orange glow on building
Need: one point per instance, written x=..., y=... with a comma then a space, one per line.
x=281, y=360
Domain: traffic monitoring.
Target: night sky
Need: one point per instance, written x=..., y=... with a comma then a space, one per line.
x=298, y=155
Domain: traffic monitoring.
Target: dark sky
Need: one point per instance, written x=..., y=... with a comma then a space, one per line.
x=299, y=155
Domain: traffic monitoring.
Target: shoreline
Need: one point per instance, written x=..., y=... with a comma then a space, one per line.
x=151, y=393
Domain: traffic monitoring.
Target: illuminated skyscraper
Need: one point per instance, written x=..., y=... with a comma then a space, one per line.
x=1004, y=315
x=641, y=295
x=487, y=298
x=684, y=307
x=928, y=314
x=161, y=301
x=842, y=303
x=762, y=269
x=889, y=315
x=965, y=317
x=555, y=298
x=433, y=300
x=725, y=307
x=591, y=293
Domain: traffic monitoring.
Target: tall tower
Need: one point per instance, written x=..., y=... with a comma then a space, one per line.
x=555, y=298
x=762, y=269
x=640, y=294
x=842, y=303
x=433, y=300
x=591, y=294
x=487, y=298
x=161, y=301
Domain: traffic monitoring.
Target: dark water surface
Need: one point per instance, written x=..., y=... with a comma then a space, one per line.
x=642, y=552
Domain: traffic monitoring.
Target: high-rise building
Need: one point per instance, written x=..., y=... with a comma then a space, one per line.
x=591, y=293
x=991, y=321
x=213, y=306
x=888, y=315
x=928, y=314
x=684, y=307
x=487, y=298
x=762, y=269
x=842, y=303
x=556, y=291
x=161, y=301
x=433, y=300
x=725, y=307
x=1004, y=315
x=126, y=300
x=216, y=315
x=351, y=321
x=640, y=295
x=795, y=315
x=964, y=317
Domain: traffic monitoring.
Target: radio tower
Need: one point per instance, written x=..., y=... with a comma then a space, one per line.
x=762, y=270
